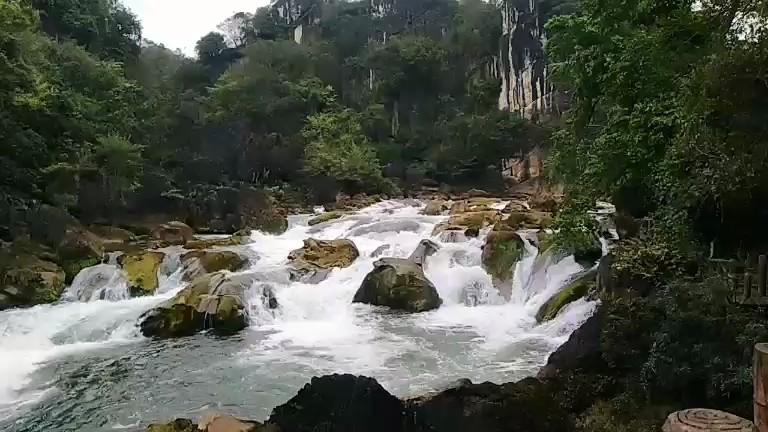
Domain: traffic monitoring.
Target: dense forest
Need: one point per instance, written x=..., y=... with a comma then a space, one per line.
x=666, y=120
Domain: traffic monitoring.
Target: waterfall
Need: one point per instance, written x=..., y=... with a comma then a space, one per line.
x=299, y=330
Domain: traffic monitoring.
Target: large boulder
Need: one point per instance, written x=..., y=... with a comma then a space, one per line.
x=199, y=262
x=341, y=403
x=113, y=238
x=579, y=287
x=399, y=284
x=78, y=249
x=529, y=405
x=27, y=280
x=527, y=220
x=140, y=270
x=172, y=233
x=501, y=252
x=312, y=262
x=210, y=302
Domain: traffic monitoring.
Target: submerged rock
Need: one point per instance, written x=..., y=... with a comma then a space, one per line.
x=576, y=289
x=312, y=262
x=399, y=284
x=213, y=301
x=325, y=217
x=172, y=233
x=341, y=403
x=424, y=250
x=199, y=262
x=140, y=271
x=380, y=251
x=387, y=226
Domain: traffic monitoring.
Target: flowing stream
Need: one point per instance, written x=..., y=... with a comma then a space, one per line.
x=81, y=365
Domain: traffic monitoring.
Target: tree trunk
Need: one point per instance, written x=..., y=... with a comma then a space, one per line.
x=706, y=420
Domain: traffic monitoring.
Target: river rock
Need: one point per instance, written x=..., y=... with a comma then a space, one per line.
x=325, y=217
x=217, y=422
x=140, y=270
x=233, y=240
x=435, y=208
x=178, y=425
x=379, y=251
x=581, y=350
x=395, y=226
x=424, y=250
x=399, y=284
x=516, y=206
x=473, y=205
x=469, y=223
x=78, y=249
x=172, y=233
x=199, y=262
x=214, y=301
x=576, y=289
x=341, y=403
x=530, y=405
x=27, y=280
x=112, y=237
x=527, y=220
x=316, y=258
x=501, y=252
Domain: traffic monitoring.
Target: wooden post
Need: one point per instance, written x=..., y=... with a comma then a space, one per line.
x=706, y=420
x=760, y=386
x=762, y=275
x=747, y=285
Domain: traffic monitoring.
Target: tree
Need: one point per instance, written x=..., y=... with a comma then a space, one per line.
x=235, y=29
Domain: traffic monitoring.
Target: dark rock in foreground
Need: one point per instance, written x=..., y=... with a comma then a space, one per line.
x=341, y=403
x=582, y=348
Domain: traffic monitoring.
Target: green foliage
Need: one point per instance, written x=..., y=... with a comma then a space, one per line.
x=576, y=231
x=338, y=148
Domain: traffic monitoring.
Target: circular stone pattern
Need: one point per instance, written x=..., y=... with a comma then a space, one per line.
x=706, y=420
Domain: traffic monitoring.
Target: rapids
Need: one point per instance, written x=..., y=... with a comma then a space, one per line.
x=81, y=365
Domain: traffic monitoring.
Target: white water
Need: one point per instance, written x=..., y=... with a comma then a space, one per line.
x=475, y=334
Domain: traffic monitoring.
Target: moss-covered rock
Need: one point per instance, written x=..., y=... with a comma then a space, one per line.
x=516, y=206
x=200, y=262
x=317, y=257
x=172, y=233
x=325, y=217
x=526, y=220
x=233, y=240
x=575, y=290
x=27, y=280
x=473, y=205
x=140, y=270
x=435, y=208
x=501, y=251
x=78, y=249
x=469, y=223
x=399, y=284
x=210, y=302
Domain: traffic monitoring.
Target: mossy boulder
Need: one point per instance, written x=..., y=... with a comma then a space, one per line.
x=516, y=206
x=78, y=249
x=27, y=280
x=140, y=270
x=312, y=262
x=325, y=217
x=576, y=289
x=526, y=220
x=200, y=262
x=233, y=240
x=172, y=233
x=501, y=251
x=435, y=208
x=210, y=302
x=399, y=284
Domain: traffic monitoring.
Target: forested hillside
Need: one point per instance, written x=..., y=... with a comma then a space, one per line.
x=375, y=98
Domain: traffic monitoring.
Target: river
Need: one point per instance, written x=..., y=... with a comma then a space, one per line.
x=83, y=366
